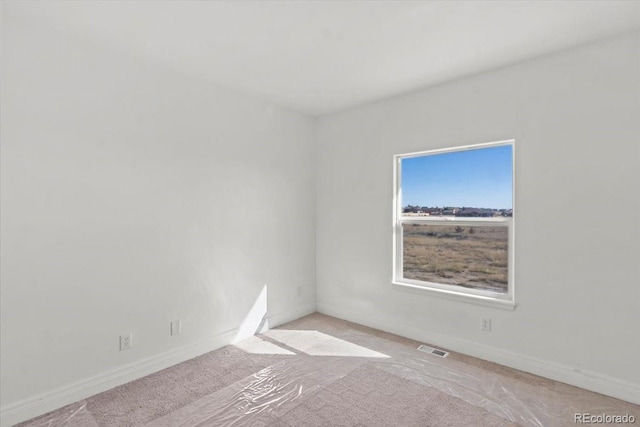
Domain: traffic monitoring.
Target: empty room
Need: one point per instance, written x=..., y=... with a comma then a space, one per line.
x=319, y=213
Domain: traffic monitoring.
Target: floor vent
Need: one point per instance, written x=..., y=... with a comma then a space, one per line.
x=437, y=352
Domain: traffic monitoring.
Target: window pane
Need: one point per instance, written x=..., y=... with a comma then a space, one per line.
x=473, y=182
x=469, y=256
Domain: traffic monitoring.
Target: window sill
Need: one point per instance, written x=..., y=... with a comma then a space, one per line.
x=486, y=301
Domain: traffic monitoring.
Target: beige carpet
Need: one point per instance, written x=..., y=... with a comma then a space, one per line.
x=321, y=371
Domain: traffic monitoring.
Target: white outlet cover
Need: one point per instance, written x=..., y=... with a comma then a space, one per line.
x=126, y=342
x=176, y=327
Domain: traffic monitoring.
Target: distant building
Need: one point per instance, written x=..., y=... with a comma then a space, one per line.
x=423, y=210
x=431, y=211
x=475, y=212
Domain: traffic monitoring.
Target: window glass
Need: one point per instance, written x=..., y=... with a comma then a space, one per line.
x=454, y=220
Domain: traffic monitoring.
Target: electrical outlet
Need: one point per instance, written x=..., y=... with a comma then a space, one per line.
x=126, y=341
x=299, y=291
x=176, y=327
x=486, y=324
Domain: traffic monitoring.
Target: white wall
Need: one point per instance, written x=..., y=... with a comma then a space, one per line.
x=133, y=195
x=575, y=117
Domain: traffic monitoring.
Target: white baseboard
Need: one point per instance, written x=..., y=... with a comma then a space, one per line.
x=65, y=395
x=598, y=383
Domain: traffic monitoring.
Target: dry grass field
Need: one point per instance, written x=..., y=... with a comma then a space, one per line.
x=469, y=256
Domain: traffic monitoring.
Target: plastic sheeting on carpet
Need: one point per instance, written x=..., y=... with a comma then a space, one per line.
x=263, y=397
x=259, y=399
x=75, y=415
x=318, y=363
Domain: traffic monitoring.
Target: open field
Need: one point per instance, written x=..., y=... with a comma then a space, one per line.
x=469, y=256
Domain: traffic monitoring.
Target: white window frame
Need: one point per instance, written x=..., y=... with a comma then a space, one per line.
x=460, y=293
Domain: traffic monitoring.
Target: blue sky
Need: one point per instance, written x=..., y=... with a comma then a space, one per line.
x=480, y=178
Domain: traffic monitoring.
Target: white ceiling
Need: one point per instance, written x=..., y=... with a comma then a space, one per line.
x=320, y=57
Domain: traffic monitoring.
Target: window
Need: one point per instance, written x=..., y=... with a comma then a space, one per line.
x=453, y=211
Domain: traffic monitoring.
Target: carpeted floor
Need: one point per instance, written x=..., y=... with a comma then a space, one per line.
x=321, y=371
